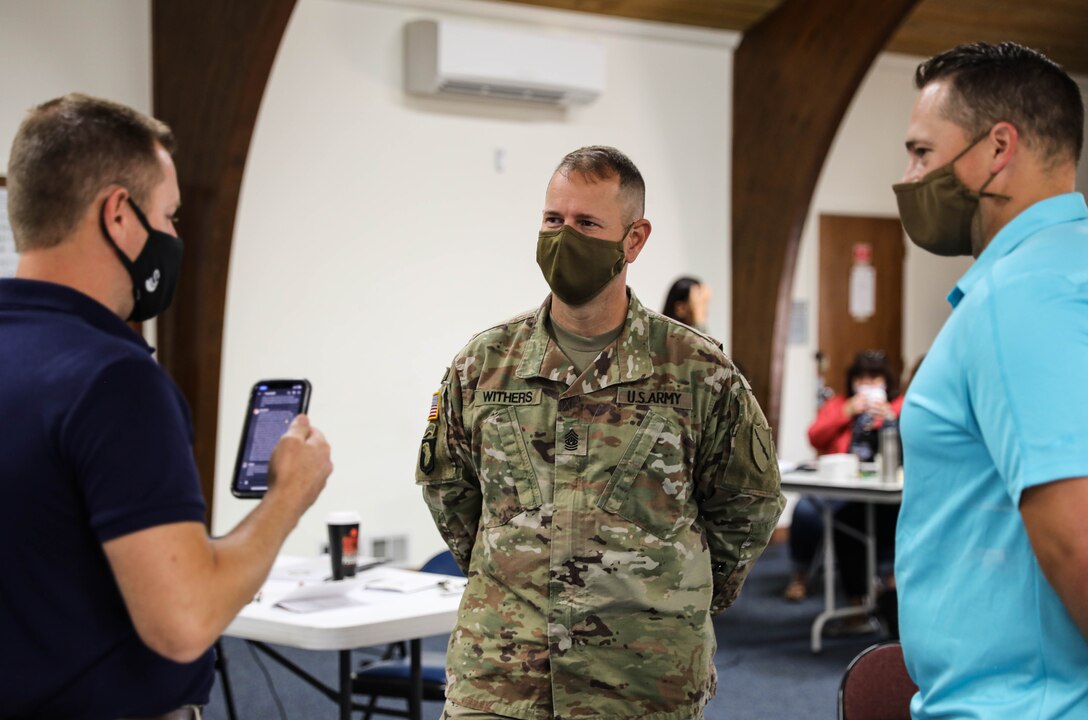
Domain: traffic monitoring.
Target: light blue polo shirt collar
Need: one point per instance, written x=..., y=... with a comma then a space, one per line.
x=1052, y=211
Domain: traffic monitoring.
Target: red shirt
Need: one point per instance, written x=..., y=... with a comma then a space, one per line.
x=830, y=431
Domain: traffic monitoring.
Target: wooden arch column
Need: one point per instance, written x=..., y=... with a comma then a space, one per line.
x=794, y=75
x=210, y=63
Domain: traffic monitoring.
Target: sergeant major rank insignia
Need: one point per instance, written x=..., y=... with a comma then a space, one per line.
x=571, y=437
x=570, y=441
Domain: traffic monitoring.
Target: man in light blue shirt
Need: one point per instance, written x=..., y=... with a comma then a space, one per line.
x=992, y=545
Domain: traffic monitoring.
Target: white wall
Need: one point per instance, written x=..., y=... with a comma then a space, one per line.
x=52, y=47
x=866, y=158
x=375, y=236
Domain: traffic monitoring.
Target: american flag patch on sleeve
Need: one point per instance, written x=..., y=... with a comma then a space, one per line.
x=433, y=414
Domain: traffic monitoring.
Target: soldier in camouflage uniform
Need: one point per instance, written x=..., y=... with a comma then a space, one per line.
x=604, y=477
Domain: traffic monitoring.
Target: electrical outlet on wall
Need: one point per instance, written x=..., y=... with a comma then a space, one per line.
x=392, y=547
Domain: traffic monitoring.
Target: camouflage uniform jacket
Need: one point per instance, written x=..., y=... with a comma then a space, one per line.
x=601, y=519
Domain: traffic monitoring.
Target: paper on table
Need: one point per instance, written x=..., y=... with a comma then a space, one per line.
x=404, y=582
x=320, y=596
x=785, y=466
x=303, y=571
x=314, y=570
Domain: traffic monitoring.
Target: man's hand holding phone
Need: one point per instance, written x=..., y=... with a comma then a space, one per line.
x=300, y=464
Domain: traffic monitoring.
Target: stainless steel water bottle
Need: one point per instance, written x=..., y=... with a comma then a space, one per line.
x=889, y=451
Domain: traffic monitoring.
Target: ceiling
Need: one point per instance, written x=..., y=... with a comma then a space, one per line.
x=1058, y=28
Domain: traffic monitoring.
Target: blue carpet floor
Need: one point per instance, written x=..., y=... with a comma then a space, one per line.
x=765, y=668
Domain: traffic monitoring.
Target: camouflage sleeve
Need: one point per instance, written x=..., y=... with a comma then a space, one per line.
x=446, y=472
x=739, y=490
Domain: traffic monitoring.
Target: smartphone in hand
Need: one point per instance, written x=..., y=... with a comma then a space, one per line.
x=273, y=404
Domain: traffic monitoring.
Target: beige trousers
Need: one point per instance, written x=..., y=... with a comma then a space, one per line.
x=453, y=711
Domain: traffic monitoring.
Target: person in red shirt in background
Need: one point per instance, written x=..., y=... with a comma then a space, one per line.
x=848, y=424
x=845, y=423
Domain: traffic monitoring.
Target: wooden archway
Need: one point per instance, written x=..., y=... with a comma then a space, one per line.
x=210, y=64
x=794, y=75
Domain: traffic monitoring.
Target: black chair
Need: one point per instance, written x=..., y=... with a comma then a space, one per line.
x=389, y=675
x=876, y=685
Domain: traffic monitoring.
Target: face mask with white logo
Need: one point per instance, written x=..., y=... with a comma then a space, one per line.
x=155, y=270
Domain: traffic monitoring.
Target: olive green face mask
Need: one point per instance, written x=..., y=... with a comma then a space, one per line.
x=577, y=266
x=937, y=211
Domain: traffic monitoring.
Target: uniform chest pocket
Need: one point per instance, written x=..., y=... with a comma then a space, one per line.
x=507, y=479
x=651, y=486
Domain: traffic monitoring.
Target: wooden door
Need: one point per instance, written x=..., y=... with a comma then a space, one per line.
x=846, y=241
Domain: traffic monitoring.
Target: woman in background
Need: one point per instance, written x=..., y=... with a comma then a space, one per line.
x=850, y=424
x=688, y=301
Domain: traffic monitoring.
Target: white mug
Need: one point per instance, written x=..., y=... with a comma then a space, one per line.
x=838, y=466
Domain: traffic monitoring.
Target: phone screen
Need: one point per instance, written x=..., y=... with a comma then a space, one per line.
x=273, y=404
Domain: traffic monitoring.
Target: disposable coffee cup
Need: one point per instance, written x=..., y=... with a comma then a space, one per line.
x=838, y=466
x=343, y=543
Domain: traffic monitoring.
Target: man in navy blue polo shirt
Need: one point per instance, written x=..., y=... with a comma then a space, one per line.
x=112, y=592
x=992, y=561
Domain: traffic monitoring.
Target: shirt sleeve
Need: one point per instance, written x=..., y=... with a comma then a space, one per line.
x=446, y=473
x=128, y=440
x=1026, y=381
x=829, y=426
x=740, y=490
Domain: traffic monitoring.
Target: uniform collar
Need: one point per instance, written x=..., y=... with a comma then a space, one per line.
x=625, y=360
x=1068, y=207
x=21, y=294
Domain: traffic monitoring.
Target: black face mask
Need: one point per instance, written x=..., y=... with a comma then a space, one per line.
x=155, y=270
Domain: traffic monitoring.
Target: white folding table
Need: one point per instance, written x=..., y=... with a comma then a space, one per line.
x=867, y=490
x=379, y=617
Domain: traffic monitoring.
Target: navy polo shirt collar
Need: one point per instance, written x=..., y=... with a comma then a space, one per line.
x=18, y=293
x=1055, y=210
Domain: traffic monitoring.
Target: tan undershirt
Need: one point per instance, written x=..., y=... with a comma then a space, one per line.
x=581, y=351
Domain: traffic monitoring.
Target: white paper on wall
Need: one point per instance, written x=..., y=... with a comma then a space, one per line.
x=862, y=292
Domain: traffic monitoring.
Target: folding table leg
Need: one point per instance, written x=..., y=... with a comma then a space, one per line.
x=415, y=698
x=221, y=666
x=829, y=578
x=345, y=685
x=870, y=554
x=830, y=612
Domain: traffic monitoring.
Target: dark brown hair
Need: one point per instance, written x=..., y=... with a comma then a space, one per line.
x=1015, y=84
x=679, y=292
x=601, y=162
x=872, y=363
x=66, y=152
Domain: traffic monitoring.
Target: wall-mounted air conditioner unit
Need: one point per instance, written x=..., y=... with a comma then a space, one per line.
x=447, y=57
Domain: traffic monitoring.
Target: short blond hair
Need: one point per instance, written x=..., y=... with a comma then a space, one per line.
x=66, y=152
